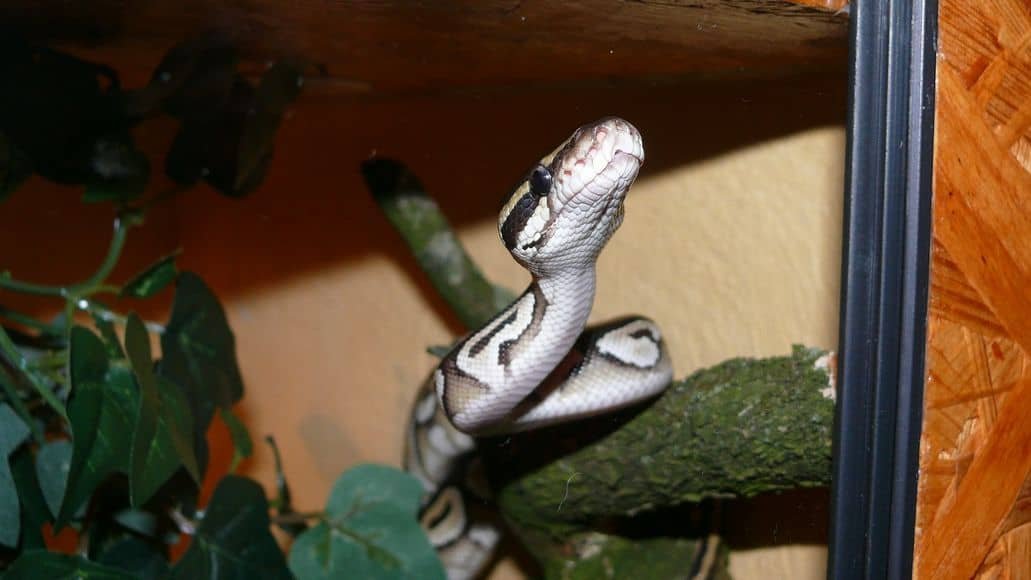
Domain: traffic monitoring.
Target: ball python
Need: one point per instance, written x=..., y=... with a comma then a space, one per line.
x=535, y=364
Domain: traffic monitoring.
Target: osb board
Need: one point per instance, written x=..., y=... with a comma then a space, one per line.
x=397, y=46
x=974, y=503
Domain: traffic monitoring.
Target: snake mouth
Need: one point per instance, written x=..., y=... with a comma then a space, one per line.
x=599, y=162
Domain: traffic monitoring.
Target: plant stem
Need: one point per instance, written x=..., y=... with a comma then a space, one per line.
x=28, y=321
x=103, y=313
x=14, y=398
x=429, y=235
x=87, y=286
x=297, y=517
x=15, y=357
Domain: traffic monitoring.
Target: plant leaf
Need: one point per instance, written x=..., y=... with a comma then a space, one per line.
x=58, y=109
x=13, y=432
x=370, y=530
x=120, y=170
x=34, y=512
x=161, y=440
x=35, y=564
x=193, y=75
x=112, y=343
x=233, y=540
x=438, y=350
x=52, y=463
x=199, y=354
x=101, y=411
x=154, y=279
x=242, y=445
x=131, y=554
x=230, y=144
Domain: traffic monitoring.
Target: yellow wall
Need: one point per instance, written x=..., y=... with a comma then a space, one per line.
x=731, y=242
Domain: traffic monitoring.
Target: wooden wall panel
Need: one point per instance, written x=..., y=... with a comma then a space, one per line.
x=974, y=503
x=372, y=47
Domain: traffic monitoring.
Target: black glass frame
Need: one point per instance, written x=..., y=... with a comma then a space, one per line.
x=885, y=273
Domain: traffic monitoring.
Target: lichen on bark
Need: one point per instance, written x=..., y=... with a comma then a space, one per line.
x=740, y=428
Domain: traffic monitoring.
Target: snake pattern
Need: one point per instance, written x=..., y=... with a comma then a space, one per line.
x=535, y=364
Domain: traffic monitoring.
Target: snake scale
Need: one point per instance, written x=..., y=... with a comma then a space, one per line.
x=535, y=363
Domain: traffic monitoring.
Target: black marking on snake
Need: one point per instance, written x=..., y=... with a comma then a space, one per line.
x=643, y=333
x=624, y=363
x=588, y=341
x=533, y=244
x=482, y=342
x=441, y=514
x=451, y=371
x=517, y=218
x=453, y=497
x=540, y=305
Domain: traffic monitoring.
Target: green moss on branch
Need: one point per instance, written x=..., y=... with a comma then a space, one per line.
x=426, y=231
x=743, y=427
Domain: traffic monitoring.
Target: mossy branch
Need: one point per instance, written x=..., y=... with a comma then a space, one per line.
x=426, y=231
x=740, y=428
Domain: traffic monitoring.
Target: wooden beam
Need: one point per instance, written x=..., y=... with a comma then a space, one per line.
x=374, y=47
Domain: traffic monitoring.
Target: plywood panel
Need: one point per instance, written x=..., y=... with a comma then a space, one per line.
x=397, y=46
x=975, y=468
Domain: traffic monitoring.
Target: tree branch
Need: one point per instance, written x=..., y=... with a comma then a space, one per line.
x=740, y=428
x=426, y=231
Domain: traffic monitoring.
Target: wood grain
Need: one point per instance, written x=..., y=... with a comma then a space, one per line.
x=371, y=47
x=974, y=502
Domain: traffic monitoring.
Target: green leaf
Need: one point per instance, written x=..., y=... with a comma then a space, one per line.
x=35, y=564
x=13, y=432
x=10, y=391
x=102, y=411
x=17, y=358
x=34, y=512
x=438, y=350
x=52, y=463
x=233, y=540
x=242, y=445
x=131, y=554
x=152, y=280
x=279, y=86
x=57, y=110
x=161, y=440
x=121, y=170
x=370, y=530
x=199, y=354
x=112, y=343
x=229, y=144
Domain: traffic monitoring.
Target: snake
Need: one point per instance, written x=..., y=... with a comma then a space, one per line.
x=536, y=363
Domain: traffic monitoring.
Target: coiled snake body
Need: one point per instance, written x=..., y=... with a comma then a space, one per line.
x=534, y=364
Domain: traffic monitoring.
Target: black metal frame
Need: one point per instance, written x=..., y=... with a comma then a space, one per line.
x=884, y=288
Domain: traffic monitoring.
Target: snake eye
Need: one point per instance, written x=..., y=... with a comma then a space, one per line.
x=540, y=181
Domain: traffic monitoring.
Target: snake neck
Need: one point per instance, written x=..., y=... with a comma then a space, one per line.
x=570, y=297
x=562, y=304
x=493, y=369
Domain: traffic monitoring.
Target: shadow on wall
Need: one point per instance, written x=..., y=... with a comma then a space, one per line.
x=313, y=211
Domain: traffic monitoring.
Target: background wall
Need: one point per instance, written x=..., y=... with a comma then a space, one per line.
x=731, y=242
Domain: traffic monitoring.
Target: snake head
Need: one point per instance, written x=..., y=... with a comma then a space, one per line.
x=568, y=206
